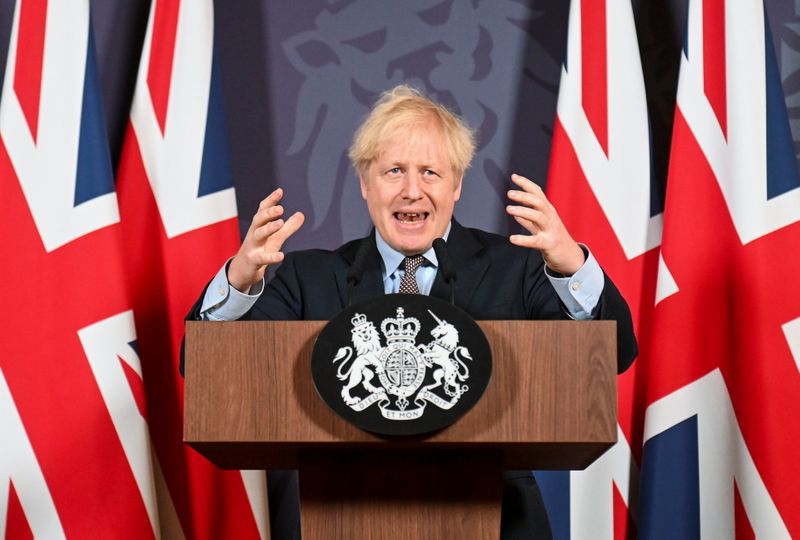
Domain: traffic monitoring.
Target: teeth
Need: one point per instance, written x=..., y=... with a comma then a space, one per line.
x=409, y=216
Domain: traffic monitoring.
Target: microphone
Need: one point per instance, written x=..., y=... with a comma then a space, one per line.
x=357, y=270
x=446, y=266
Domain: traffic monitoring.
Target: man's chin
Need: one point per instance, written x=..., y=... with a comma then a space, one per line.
x=411, y=246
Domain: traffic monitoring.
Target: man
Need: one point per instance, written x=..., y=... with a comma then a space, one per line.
x=411, y=154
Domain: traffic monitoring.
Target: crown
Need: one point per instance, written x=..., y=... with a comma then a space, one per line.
x=400, y=328
x=359, y=319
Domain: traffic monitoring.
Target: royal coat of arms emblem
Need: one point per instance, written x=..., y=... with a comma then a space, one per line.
x=394, y=375
x=401, y=364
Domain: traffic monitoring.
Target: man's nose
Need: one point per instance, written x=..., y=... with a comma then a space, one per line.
x=411, y=186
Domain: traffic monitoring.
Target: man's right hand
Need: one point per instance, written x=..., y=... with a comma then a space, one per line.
x=262, y=244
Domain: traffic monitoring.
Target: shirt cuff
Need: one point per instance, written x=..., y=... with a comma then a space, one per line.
x=223, y=302
x=580, y=292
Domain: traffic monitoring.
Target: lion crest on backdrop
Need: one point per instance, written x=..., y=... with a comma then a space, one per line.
x=469, y=55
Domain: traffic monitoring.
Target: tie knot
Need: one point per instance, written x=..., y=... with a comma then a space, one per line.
x=412, y=263
x=408, y=285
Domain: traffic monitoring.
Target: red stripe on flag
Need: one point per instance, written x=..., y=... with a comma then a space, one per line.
x=55, y=391
x=594, y=83
x=162, y=53
x=714, y=73
x=17, y=526
x=30, y=52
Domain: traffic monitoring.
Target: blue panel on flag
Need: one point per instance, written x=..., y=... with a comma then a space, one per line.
x=93, y=175
x=215, y=172
x=670, y=492
x=781, y=159
x=554, y=486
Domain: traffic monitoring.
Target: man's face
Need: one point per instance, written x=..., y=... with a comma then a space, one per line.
x=410, y=188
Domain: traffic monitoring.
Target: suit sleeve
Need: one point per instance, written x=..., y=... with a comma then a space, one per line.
x=282, y=297
x=278, y=301
x=613, y=307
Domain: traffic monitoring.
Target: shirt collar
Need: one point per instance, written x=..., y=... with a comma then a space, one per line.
x=392, y=259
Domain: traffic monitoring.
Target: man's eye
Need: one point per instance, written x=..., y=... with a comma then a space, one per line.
x=394, y=170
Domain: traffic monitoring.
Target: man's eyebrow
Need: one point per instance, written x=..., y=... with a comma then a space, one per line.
x=395, y=162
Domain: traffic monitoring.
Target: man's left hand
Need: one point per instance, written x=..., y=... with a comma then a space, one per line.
x=533, y=211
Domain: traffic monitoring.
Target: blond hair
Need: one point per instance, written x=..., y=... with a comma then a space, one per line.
x=402, y=107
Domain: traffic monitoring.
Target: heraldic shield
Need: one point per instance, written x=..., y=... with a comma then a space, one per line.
x=401, y=364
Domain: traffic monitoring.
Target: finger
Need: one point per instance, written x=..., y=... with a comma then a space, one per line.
x=527, y=185
x=528, y=226
x=525, y=240
x=533, y=240
x=271, y=199
x=528, y=199
x=535, y=217
x=262, y=215
x=522, y=240
x=262, y=234
x=290, y=227
x=267, y=214
x=266, y=258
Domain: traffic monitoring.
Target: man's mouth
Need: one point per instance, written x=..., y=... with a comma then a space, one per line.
x=410, y=217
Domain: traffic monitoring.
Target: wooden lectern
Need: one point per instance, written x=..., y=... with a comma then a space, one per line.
x=550, y=404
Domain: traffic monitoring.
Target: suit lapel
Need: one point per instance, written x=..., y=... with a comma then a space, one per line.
x=462, y=246
x=371, y=283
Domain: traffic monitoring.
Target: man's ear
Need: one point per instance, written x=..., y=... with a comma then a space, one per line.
x=457, y=193
x=363, y=184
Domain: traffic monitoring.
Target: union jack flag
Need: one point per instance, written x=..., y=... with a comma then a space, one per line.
x=720, y=434
x=75, y=457
x=103, y=274
x=178, y=210
x=720, y=330
x=600, y=182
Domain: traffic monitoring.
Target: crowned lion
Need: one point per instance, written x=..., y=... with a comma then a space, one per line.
x=367, y=345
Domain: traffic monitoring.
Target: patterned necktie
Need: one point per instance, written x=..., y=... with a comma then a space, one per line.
x=408, y=285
